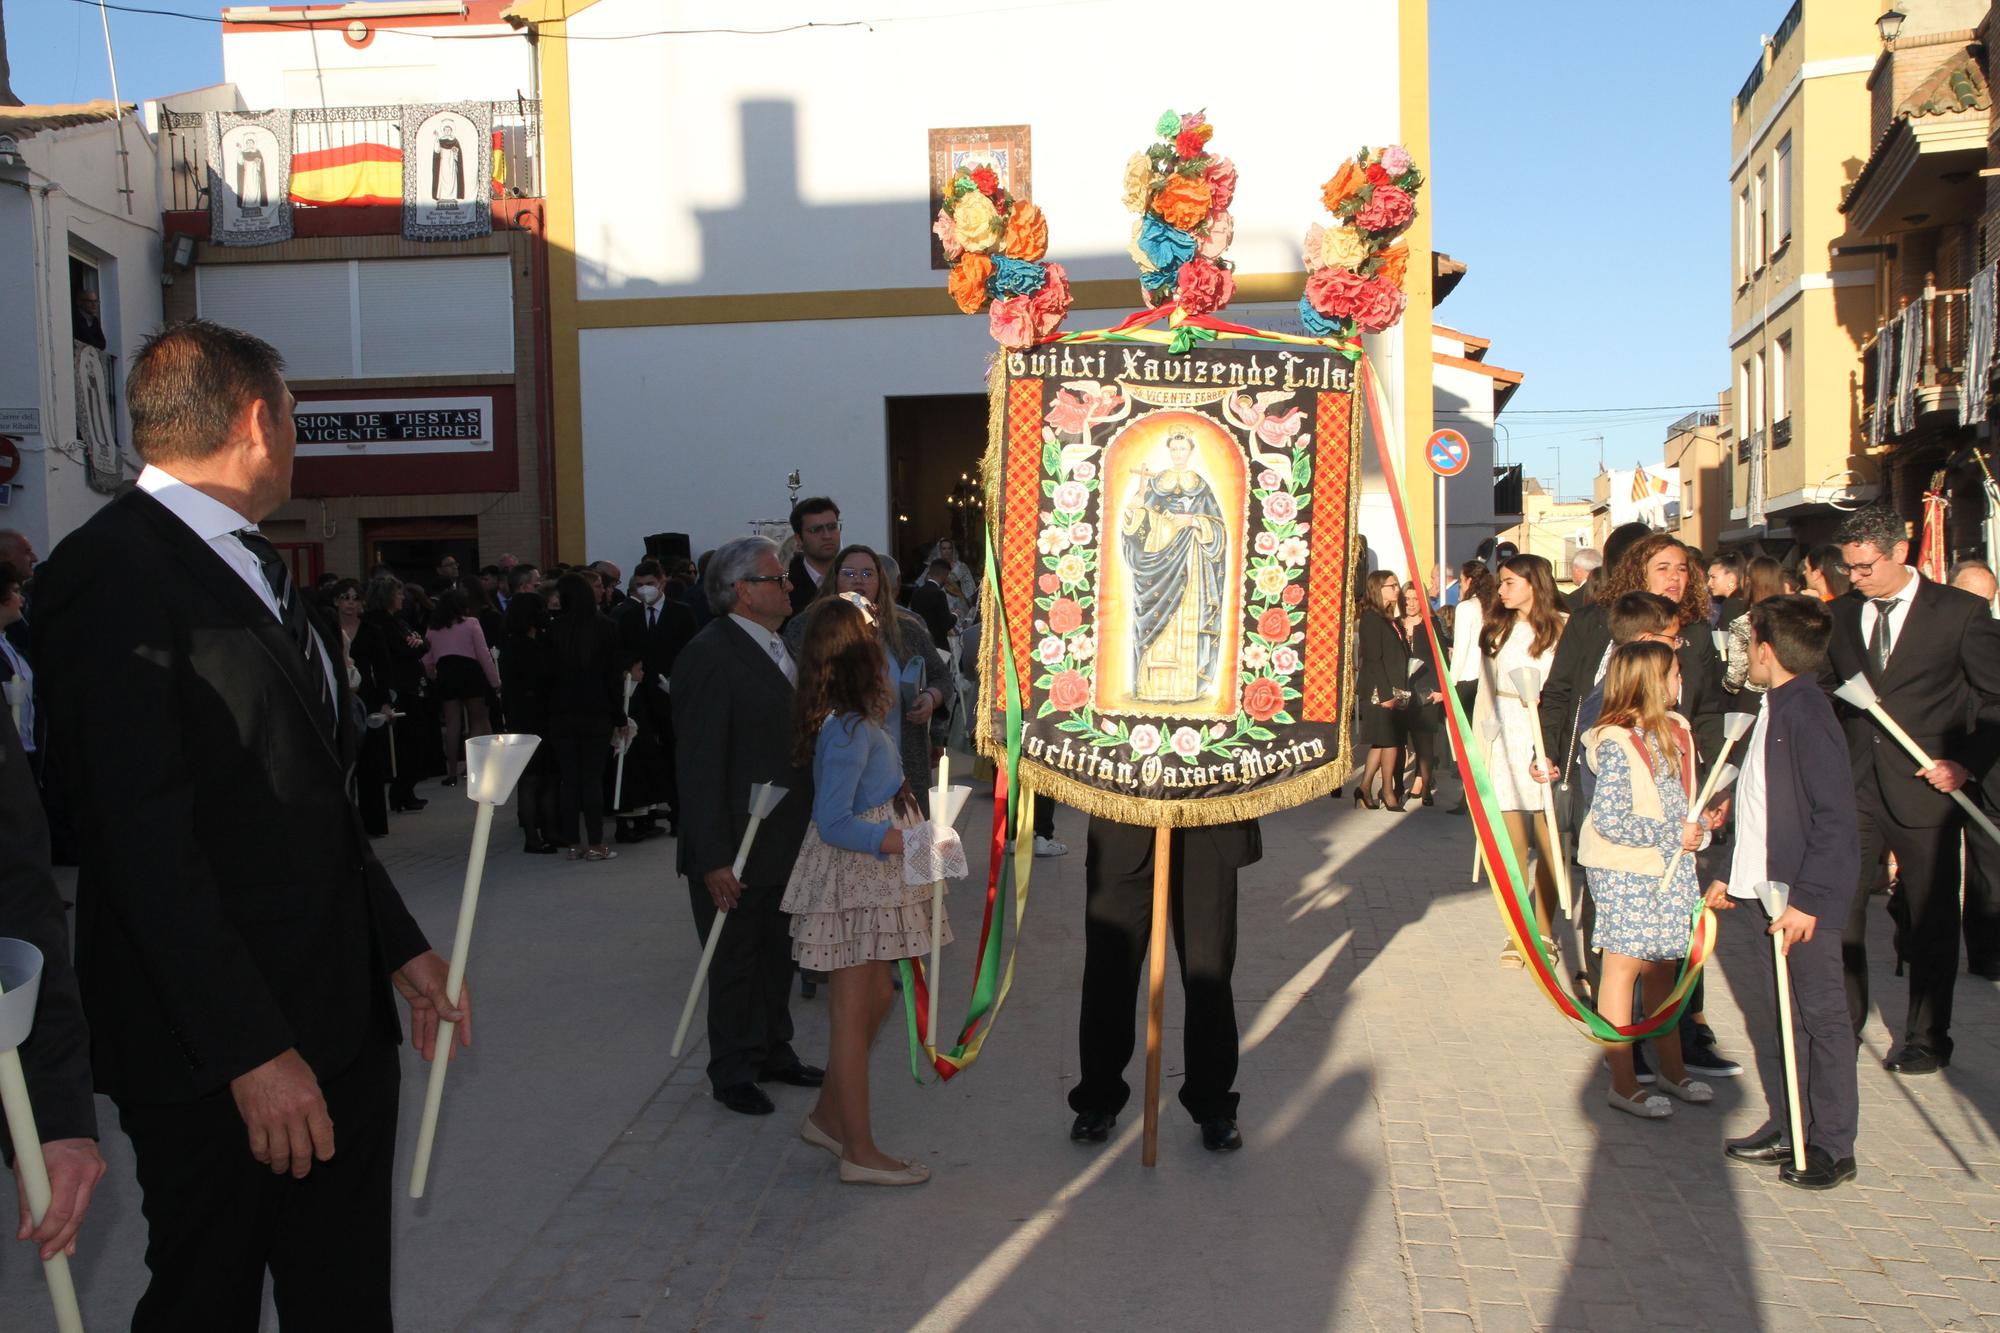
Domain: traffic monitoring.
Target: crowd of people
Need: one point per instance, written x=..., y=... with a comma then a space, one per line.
x=218, y=749
x=1631, y=675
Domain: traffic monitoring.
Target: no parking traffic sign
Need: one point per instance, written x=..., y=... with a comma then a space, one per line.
x=1447, y=452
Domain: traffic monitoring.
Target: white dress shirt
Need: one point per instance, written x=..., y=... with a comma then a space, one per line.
x=217, y=524
x=1898, y=613
x=773, y=644
x=26, y=676
x=1751, y=810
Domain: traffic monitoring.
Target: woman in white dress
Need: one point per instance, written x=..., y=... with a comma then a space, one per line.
x=1521, y=630
x=1475, y=591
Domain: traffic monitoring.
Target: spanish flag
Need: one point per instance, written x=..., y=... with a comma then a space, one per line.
x=358, y=171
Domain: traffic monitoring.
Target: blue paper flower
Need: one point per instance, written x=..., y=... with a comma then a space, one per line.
x=1016, y=277
x=1167, y=247
x=1318, y=325
x=1153, y=279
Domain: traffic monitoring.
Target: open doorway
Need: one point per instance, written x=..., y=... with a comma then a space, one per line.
x=412, y=547
x=935, y=442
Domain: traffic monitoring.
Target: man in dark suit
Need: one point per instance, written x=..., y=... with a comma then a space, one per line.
x=1933, y=655
x=816, y=524
x=733, y=726
x=1118, y=916
x=652, y=630
x=56, y=1055
x=236, y=937
x=930, y=601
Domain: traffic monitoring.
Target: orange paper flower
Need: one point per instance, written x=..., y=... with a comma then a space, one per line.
x=1183, y=202
x=1344, y=183
x=968, y=282
x=1394, y=260
x=1027, y=233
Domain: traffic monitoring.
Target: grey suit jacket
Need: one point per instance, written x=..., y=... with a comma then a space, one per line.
x=732, y=727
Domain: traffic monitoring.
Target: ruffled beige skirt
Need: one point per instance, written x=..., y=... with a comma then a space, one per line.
x=850, y=908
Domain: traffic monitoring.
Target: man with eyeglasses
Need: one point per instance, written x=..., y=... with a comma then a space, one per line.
x=816, y=522
x=1933, y=655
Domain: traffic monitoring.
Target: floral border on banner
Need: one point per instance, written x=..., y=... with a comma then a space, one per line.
x=1182, y=194
x=995, y=244
x=1354, y=270
x=1065, y=628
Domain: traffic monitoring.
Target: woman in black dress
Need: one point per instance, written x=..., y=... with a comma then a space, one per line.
x=527, y=674
x=1424, y=717
x=368, y=666
x=1381, y=689
x=404, y=648
x=585, y=698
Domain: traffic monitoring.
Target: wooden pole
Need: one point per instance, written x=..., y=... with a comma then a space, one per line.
x=1797, y=1116
x=1156, y=987
x=454, y=983
x=34, y=1172
x=1558, y=862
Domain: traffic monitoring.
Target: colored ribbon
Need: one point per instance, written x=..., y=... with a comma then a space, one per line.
x=1013, y=814
x=1186, y=329
x=1511, y=892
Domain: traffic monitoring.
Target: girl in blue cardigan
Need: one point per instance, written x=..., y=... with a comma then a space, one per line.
x=852, y=913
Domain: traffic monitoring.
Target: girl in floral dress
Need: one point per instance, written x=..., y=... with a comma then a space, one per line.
x=1643, y=756
x=852, y=913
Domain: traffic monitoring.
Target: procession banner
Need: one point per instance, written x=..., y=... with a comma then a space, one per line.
x=249, y=170
x=447, y=173
x=1176, y=530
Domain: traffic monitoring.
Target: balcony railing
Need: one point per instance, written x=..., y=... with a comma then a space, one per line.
x=1695, y=421
x=1787, y=26
x=1781, y=432
x=1918, y=379
x=517, y=126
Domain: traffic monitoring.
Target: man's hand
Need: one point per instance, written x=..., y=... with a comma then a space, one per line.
x=921, y=710
x=1793, y=927
x=1719, y=810
x=75, y=1167
x=285, y=1114
x=1946, y=776
x=421, y=981
x=1717, y=898
x=724, y=888
x=1691, y=836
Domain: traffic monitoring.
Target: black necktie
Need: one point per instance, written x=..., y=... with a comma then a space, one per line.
x=278, y=574
x=1878, y=638
x=652, y=617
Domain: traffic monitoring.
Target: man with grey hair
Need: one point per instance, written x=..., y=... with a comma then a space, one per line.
x=1932, y=654
x=733, y=703
x=1975, y=577
x=1583, y=567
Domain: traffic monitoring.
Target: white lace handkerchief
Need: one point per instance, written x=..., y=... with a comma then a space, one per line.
x=931, y=854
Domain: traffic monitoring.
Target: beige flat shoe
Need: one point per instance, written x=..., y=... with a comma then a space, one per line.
x=912, y=1173
x=1688, y=1090
x=1645, y=1105
x=818, y=1137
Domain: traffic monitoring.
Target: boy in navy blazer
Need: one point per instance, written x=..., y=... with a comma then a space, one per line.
x=1795, y=825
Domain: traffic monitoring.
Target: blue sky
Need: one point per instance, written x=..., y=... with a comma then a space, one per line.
x=1579, y=166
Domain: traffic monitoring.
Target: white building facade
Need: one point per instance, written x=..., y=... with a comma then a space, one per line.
x=742, y=277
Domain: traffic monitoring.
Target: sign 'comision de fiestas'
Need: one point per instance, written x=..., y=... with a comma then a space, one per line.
x=1175, y=535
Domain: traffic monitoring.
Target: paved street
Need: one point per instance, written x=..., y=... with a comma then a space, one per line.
x=1427, y=1146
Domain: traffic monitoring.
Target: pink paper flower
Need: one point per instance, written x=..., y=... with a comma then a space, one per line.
x=1396, y=159
x=1380, y=305
x=1221, y=231
x=1204, y=286
x=1048, y=306
x=947, y=234
x=1221, y=177
x=1012, y=322
x=1335, y=292
x=1387, y=209
x=1310, y=250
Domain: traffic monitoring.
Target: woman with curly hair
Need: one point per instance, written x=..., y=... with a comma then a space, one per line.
x=1522, y=631
x=852, y=913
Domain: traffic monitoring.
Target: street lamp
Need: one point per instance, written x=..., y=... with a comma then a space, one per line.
x=1890, y=24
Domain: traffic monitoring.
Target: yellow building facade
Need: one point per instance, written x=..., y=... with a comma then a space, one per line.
x=1800, y=308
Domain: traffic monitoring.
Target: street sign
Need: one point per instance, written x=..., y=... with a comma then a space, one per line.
x=10, y=457
x=20, y=420
x=1447, y=452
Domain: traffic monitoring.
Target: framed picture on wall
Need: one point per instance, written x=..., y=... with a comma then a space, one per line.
x=1004, y=148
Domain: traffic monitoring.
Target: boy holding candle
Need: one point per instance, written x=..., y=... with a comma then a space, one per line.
x=1795, y=825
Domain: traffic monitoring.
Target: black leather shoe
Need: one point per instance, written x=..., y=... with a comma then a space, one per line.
x=745, y=1099
x=411, y=803
x=1984, y=971
x=540, y=848
x=1220, y=1136
x=797, y=1074
x=1091, y=1127
x=1915, y=1058
x=1821, y=1173
x=1761, y=1151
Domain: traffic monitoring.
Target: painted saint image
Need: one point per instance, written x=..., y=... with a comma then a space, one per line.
x=448, y=167
x=252, y=193
x=1175, y=544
